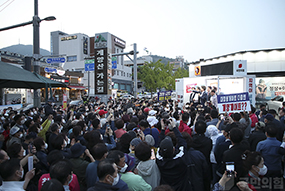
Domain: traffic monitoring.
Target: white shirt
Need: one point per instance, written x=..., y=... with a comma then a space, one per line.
x=12, y=186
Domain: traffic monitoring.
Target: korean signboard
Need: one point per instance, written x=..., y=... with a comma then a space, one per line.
x=165, y=95
x=231, y=103
x=101, y=76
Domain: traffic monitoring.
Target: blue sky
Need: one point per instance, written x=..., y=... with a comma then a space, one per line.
x=192, y=28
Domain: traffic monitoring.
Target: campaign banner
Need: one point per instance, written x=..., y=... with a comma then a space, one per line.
x=233, y=102
x=165, y=95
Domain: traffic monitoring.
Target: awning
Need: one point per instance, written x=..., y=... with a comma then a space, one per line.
x=77, y=87
x=12, y=76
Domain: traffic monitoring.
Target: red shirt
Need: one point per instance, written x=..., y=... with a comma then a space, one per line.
x=73, y=186
x=119, y=133
x=254, y=119
x=184, y=128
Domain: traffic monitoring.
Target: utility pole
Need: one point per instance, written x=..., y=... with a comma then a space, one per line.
x=36, y=51
x=135, y=70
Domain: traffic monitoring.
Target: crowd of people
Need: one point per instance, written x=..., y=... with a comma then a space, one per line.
x=141, y=145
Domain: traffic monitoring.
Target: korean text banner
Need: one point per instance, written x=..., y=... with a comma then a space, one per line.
x=166, y=95
x=233, y=102
x=101, y=71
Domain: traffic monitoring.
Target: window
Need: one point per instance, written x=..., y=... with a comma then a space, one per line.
x=124, y=74
x=71, y=58
x=122, y=86
x=121, y=73
x=129, y=88
x=118, y=72
x=116, y=86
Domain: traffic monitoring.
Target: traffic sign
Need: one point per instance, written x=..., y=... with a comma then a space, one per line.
x=89, y=65
x=54, y=60
x=114, y=62
x=50, y=70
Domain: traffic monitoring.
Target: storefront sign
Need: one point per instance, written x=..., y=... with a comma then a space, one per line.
x=64, y=101
x=233, y=102
x=100, y=41
x=101, y=77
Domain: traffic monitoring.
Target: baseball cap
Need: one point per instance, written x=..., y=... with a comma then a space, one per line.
x=146, y=110
x=152, y=112
x=102, y=112
x=166, y=148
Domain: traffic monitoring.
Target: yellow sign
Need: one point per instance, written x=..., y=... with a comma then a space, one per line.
x=197, y=70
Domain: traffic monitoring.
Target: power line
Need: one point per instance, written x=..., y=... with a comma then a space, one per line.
x=6, y=5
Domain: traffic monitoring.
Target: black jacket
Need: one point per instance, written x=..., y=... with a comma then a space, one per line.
x=174, y=170
x=100, y=186
x=234, y=154
x=255, y=138
x=198, y=170
x=203, y=144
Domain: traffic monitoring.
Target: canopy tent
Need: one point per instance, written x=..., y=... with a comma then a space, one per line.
x=15, y=77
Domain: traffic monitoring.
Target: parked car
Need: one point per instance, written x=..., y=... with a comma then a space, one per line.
x=127, y=96
x=275, y=103
x=76, y=102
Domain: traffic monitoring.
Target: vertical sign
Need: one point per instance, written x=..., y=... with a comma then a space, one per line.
x=64, y=100
x=101, y=67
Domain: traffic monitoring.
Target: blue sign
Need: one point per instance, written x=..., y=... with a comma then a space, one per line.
x=50, y=70
x=114, y=64
x=165, y=95
x=89, y=67
x=54, y=60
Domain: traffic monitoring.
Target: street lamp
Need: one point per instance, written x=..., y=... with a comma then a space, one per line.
x=36, y=44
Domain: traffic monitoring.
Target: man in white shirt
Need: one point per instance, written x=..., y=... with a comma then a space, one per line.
x=12, y=172
x=214, y=99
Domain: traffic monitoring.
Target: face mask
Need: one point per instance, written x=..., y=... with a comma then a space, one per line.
x=52, y=121
x=70, y=179
x=130, y=150
x=23, y=121
x=32, y=113
x=116, y=180
x=59, y=130
x=21, y=135
x=46, y=145
x=35, y=112
x=68, y=141
x=2, y=118
x=263, y=170
x=124, y=168
x=24, y=153
x=41, y=128
x=41, y=120
x=81, y=133
x=63, y=121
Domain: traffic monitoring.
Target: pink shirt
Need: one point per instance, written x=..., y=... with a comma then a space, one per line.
x=73, y=186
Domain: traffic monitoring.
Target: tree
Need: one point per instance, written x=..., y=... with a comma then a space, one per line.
x=158, y=75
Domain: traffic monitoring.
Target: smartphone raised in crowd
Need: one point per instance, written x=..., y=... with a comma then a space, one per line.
x=230, y=167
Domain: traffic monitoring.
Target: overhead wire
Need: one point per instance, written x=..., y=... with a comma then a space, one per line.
x=6, y=5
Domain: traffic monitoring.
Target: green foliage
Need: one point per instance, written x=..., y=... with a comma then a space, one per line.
x=158, y=75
